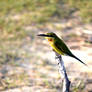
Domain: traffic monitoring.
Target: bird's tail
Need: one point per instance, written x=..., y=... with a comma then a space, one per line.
x=78, y=59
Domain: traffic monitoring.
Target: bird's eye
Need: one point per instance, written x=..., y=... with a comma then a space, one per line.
x=52, y=35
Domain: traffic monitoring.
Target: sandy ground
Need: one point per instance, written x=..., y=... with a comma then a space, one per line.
x=39, y=63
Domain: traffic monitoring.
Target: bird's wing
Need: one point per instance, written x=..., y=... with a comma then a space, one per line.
x=62, y=46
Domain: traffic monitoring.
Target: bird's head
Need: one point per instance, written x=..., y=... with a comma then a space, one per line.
x=49, y=36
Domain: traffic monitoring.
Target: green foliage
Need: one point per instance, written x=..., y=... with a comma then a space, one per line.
x=79, y=86
x=84, y=6
x=39, y=9
x=14, y=15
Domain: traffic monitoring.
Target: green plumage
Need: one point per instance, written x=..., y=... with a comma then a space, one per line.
x=58, y=45
x=62, y=47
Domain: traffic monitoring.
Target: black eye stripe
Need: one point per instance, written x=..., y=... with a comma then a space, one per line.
x=46, y=35
x=50, y=36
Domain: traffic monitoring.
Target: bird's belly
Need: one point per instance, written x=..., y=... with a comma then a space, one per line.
x=56, y=49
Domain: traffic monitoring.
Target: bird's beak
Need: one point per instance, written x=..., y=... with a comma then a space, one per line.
x=43, y=35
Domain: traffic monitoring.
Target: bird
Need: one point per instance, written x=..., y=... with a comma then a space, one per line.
x=58, y=45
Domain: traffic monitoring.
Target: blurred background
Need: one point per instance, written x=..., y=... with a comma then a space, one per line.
x=27, y=62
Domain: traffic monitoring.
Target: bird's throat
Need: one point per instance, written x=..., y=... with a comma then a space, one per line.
x=50, y=40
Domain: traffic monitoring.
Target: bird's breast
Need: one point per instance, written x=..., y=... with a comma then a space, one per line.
x=56, y=48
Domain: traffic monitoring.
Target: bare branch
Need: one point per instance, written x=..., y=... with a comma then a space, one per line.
x=62, y=70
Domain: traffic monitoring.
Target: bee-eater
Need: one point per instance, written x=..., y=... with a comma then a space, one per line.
x=58, y=45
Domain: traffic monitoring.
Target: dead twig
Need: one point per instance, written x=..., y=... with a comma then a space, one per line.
x=62, y=70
